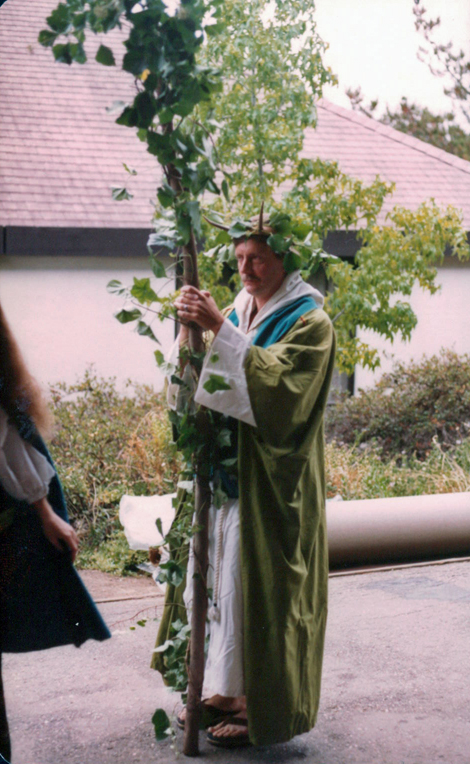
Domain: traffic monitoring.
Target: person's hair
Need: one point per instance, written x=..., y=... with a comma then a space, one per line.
x=20, y=394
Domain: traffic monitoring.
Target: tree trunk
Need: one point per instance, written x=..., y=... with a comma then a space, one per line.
x=201, y=511
x=198, y=619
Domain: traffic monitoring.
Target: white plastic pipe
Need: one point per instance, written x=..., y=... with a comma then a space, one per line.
x=408, y=528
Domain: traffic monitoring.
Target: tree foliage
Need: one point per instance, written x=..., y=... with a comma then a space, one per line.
x=440, y=130
x=410, y=409
x=444, y=61
x=237, y=140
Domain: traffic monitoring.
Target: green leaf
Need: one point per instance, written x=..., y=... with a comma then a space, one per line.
x=145, y=331
x=142, y=622
x=121, y=194
x=62, y=53
x=166, y=195
x=183, y=224
x=214, y=357
x=171, y=572
x=157, y=267
x=301, y=230
x=115, y=287
x=291, y=262
x=159, y=357
x=47, y=38
x=142, y=291
x=160, y=146
x=105, y=56
x=195, y=215
x=127, y=169
x=125, y=316
x=158, y=523
x=224, y=438
x=146, y=108
x=216, y=382
x=278, y=243
x=128, y=118
x=165, y=115
x=214, y=29
x=60, y=20
x=161, y=724
x=225, y=190
x=238, y=229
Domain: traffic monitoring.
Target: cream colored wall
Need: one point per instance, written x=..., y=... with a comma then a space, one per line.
x=443, y=321
x=62, y=317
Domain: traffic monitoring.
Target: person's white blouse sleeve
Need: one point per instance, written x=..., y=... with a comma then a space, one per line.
x=226, y=359
x=24, y=472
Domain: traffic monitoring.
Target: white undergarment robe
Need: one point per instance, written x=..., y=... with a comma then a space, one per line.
x=224, y=661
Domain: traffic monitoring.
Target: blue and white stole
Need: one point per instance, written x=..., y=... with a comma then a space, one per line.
x=271, y=330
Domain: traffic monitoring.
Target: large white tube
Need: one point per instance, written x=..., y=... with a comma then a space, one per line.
x=408, y=528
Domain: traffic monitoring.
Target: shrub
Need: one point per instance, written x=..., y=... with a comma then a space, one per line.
x=409, y=409
x=364, y=474
x=107, y=444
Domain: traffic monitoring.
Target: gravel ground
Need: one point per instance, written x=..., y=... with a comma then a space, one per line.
x=395, y=680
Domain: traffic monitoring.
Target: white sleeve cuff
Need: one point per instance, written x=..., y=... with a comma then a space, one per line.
x=24, y=472
x=226, y=359
x=172, y=389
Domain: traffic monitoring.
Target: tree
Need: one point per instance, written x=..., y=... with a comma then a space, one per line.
x=224, y=93
x=440, y=130
x=444, y=61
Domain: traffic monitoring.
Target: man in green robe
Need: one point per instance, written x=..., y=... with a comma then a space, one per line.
x=275, y=350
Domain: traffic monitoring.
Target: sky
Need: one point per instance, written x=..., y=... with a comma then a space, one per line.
x=374, y=44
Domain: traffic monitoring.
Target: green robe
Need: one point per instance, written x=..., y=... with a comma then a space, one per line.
x=283, y=541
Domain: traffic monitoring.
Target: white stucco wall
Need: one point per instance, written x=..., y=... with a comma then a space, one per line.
x=62, y=317
x=443, y=321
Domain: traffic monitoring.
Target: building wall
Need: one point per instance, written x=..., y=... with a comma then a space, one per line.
x=62, y=317
x=443, y=322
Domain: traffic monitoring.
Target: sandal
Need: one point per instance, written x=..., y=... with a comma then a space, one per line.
x=210, y=716
x=238, y=741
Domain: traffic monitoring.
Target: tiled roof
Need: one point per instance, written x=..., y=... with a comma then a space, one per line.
x=365, y=148
x=61, y=152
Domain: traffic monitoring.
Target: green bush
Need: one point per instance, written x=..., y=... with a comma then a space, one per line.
x=409, y=409
x=107, y=444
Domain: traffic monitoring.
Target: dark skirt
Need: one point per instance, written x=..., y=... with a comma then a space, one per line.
x=43, y=601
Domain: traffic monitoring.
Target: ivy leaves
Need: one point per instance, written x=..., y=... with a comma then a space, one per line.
x=216, y=382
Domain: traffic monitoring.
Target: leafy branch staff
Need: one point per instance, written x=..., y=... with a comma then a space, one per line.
x=272, y=359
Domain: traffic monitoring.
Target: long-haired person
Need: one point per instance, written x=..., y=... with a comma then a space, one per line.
x=43, y=602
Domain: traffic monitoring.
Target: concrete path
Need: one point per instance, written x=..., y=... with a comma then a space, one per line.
x=396, y=686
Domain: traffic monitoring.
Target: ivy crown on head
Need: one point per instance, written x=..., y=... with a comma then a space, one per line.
x=287, y=238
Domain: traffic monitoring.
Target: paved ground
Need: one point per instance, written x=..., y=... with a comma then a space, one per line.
x=396, y=681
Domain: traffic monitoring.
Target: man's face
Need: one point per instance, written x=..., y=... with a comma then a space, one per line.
x=260, y=269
